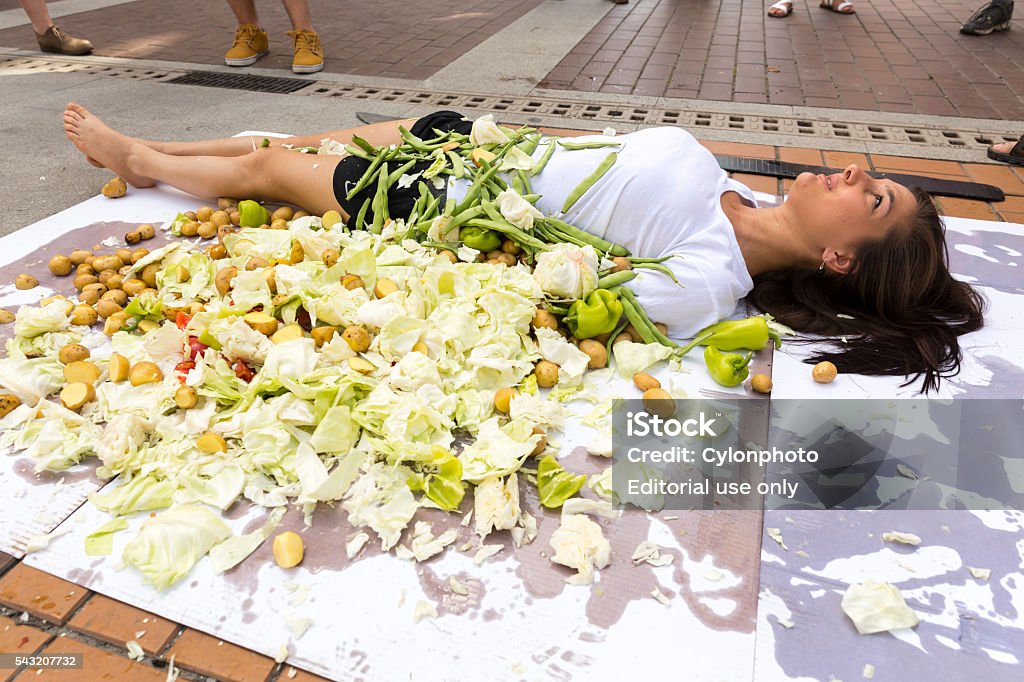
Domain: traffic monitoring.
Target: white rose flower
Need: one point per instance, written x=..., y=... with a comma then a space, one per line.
x=567, y=271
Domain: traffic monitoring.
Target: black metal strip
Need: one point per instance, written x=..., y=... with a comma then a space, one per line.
x=241, y=81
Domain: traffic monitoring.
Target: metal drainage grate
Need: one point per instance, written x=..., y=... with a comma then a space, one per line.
x=240, y=81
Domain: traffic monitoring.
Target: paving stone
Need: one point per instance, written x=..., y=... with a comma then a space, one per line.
x=98, y=665
x=117, y=623
x=210, y=656
x=41, y=594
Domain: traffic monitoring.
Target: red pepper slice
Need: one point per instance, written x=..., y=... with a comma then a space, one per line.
x=183, y=368
x=243, y=372
x=182, y=320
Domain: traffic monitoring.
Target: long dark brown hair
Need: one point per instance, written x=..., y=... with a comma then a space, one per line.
x=907, y=311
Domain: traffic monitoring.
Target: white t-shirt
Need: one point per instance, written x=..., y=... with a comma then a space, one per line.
x=661, y=197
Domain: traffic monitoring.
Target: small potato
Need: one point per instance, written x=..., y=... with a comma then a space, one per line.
x=25, y=281
x=68, y=305
x=261, y=322
x=645, y=381
x=182, y=274
x=279, y=225
x=360, y=365
x=6, y=316
x=420, y=347
x=82, y=281
x=299, y=214
x=81, y=370
x=8, y=402
x=288, y=549
x=133, y=287
x=217, y=252
x=544, y=318
x=270, y=277
x=189, y=228
x=84, y=315
x=223, y=232
x=352, y=282
x=106, y=308
x=149, y=274
x=492, y=261
x=146, y=230
x=547, y=373
x=207, y=230
x=491, y=255
x=330, y=257
x=85, y=269
x=146, y=326
x=454, y=258
x=357, y=338
x=503, y=399
x=115, y=188
x=621, y=338
x=139, y=254
x=383, y=287
x=220, y=219
x=191, y=215
x=102, y=263
x=114, y=323
x=235, y=217
x=211, y=443
x=621, y=263
x=60, y=266
x=117, y=296
x=145, y=373
x=132, y=237
x=657, y=401
x=598, y=355
x=663, y=328
x=78, y=256
x=73, y=352
x=507, y=259
x=203, y=214
x=322, y=335
x=124, y=254
x=824, y=372
x=542, y=444
x=761, y=383
x=285, y=213
x=289, y=332
x=118, y=368
x=91, y=293
x=105, y=275
x=510, y=247
x=76, y=394
x=223, y=279
x=330, y=219
x=113, y=282
x=256, y=262
x=226, y=204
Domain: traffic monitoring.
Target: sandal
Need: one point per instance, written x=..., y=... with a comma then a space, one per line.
x=783, y=6
x=995, y=16
x=841, y=7
x=1014, y=157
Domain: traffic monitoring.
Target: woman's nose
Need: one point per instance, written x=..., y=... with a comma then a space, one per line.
x=852, y=173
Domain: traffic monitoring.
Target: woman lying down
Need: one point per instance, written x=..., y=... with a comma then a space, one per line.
x=845, y=255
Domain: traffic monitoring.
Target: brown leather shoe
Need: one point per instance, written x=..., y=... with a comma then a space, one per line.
x=56, y=40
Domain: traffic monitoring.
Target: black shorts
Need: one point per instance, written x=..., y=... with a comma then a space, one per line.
x=400, y=201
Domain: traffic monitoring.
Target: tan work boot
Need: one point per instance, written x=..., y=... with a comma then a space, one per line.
x=309, y=56
x=56, y=40
x=251, y=43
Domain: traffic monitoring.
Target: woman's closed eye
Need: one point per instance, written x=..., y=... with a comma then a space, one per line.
x=878, y=202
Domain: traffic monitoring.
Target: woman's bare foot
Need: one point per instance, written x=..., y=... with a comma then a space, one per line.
x=102, y=146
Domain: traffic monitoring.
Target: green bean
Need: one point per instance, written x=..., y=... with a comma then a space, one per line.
x=393, y=178
x=529, y=144
x=527, y=188
x=458, y=165
x=652, y=260
x=626, y=294
x=413, y=141
x=514, y=233
x=587, y=145
x=544, y=158
x=560, y=310
x=468, y=214
x=517, y=185
x=368, y=176
x=449, y=207
x=615, y=332
x=637, y=321
x=361, y=217
x=584, y=236
x=532, y=198
x=380, y=200
x=615, y=279
x=475, y=189
x=589, y=181
x=493, y=213
x=441, y=245
x=364, y=145
x=356, y=151
x=660, y=268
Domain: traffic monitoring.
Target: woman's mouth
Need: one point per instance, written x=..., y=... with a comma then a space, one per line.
x=826, y=181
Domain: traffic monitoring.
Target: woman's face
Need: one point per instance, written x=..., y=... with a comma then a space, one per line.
x=839, y=212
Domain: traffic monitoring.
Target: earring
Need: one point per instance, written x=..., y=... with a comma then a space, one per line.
x=821, y=268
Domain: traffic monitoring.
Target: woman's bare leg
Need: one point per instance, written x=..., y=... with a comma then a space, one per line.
x=270, y=174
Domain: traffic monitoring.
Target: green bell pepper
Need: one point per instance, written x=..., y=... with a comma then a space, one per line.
x=596, y=315
x=443, y=486
x=480, y=238
x=728, y=369
x=752, y=333
x=251, y=214
x=555, y=485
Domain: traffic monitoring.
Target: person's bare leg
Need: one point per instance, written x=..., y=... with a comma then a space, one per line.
x=75, y=113
x=275, y=175
x=245, y=11
x=298, y=14
x=37, y=14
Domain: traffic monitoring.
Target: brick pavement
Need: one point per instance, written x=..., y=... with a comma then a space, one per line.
x=892, y=55
x=389, y=38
